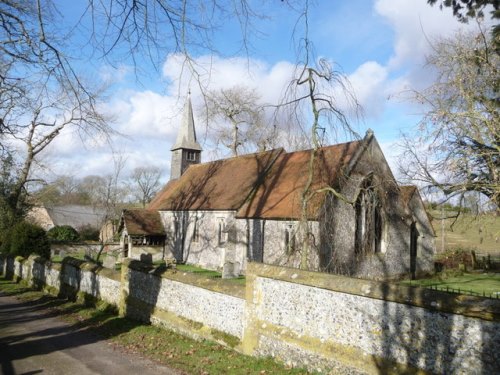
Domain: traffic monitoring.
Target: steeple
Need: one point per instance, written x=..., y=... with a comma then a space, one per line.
x=186, y=149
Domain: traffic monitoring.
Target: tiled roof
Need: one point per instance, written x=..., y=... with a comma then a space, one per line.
x=262, y=185
x=280, y=195
x=406, y=192
x=218, y=185
x=142, y=222
x=77, y=216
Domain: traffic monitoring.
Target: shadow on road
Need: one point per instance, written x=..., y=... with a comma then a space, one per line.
x=29, y=328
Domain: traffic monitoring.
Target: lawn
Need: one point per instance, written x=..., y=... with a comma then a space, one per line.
x=165, y=346
x=487, y=284
x=208, y=273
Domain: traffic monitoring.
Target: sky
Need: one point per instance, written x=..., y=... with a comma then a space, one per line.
x=380, y=45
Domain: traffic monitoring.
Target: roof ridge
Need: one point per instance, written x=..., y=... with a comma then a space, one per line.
x=325, y=147
x=279, y=149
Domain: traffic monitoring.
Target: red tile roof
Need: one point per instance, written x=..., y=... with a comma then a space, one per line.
x=218, y=185
x=280, y=195
x=142, y=222
x=263, y=185
x=406, y=192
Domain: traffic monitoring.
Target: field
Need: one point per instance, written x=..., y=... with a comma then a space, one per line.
x=475, y=232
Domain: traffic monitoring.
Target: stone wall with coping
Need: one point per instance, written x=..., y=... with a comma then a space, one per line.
x=327, y=321
x=303, y=318
x=69, y=278
x=185, y=302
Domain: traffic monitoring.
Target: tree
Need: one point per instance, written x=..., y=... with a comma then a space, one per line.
x=457, y=149
x=144, y=183
x=63, y=233
x=25, y=239
x=465, y=10
x=239, y=119
x=312, y=100
x=41, y=94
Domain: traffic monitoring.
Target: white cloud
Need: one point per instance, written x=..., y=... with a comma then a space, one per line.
x=416, y=24
x=368, y=82
x=149, y=120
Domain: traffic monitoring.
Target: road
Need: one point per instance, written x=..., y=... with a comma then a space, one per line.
x=33, y=340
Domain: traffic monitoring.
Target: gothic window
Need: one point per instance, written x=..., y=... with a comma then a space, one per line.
x=289, y=238
x=368, y=233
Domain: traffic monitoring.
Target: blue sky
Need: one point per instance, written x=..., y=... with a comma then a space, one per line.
x=380, y=45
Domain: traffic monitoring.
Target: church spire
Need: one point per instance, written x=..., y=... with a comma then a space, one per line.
x=186, y=150
x=186, y=138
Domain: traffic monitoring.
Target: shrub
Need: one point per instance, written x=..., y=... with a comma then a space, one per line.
x=452, y=258
x=63, y=233
x=89, y=233
x=25, y=239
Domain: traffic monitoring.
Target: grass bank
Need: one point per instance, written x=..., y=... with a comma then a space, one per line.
x=161, y=345
x=475, y=232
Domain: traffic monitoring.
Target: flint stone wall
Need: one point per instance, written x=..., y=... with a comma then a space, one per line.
x=69, y=278
x=184, y=302
x=321, y=321
x=362, y=324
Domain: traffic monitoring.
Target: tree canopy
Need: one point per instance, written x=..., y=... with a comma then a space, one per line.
x=457, y=146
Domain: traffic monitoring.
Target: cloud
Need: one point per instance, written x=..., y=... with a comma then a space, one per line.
x=369, y=85
x=148, y=121
x=416, y=24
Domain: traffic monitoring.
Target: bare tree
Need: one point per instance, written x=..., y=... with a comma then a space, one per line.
x=41, y=95
x=144, y=183
x=457, y=146
x=238, y=119
x=312, y=100
x=110, y=196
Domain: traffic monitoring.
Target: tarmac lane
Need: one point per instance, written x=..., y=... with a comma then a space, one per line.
x=33, y=340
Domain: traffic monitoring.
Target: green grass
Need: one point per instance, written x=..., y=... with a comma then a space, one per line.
x=165, y=346
x=198, y=270
x=480, y=233
x=58, y=258
x=487, y=283
x=209, y=274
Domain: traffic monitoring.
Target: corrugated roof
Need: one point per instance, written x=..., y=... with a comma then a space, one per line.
x=142, y=222
x=218, y=185
x=280, y=195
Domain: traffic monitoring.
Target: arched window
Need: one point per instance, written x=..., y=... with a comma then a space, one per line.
x=368, y=233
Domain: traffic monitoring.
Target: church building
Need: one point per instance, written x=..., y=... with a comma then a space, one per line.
x=335, y=209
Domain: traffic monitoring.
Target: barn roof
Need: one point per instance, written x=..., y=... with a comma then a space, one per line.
x=406, y=192
x=142, y=222
x=262, y=185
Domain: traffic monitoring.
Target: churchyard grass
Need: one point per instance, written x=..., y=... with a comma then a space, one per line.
x=208, y=273
x=164, y=346
x=487, y=284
